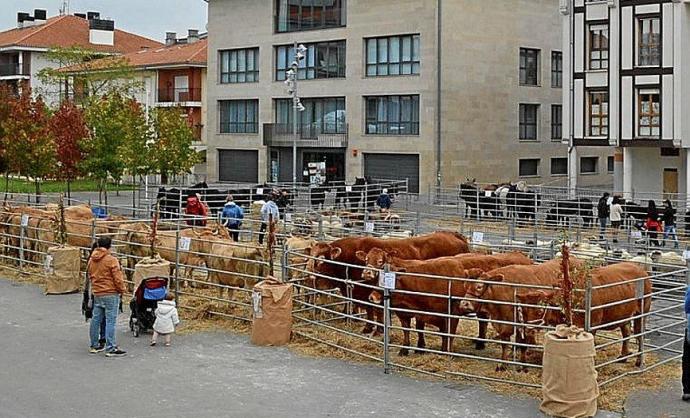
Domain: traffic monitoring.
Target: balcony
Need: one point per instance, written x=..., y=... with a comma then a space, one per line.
x=179, y=95
x=14, y=70
x=308, y=135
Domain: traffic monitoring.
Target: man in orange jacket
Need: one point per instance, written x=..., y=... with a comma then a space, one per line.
x=107, y=286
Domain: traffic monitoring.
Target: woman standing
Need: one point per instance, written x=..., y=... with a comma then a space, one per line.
x=652, y=223
x=616, y=217
x=669, y=219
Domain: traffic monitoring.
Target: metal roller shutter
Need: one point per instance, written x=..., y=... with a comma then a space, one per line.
x=238, y=166
x=393, y=167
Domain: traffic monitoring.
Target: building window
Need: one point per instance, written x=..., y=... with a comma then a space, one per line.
x=529, y=167
x=392, y=115
x=649, y=113
x=239, y=66
x=322, y=115
x=598, y=47
x=556, y=122
x=322, y=60
x=649, y=41
x=239, y=116
x=598, y=114
x=610, y=164
x=589, y=165
x=394, y=55
x=556, y=69
x=529, y=67
x=559, y=166
x=298, y=15
x=529, y=116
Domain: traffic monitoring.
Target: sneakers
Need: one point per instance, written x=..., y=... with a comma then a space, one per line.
x=153, y=344
x=95, y=350
x=116, y=353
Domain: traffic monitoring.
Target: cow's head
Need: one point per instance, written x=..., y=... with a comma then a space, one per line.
x=376, y=297
x=374, y=260
x=532, y=316
x=481, y=291
x=318, y=266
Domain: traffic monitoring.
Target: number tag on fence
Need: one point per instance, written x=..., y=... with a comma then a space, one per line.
x=288, y=217
x=185, y=243
x=636, y=234
x=369, y=227
x=686, y=255
x=48, y=265
x=387, y=280
x=348, y=188
x=477, y=237
x=259, y=191
x=488, y=193
x=256, y=305
x=25, y=220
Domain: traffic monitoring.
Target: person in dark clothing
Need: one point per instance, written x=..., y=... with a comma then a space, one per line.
x=652, y=223
x=384, y=200
x=603, y=212
x=669, y=218
x=686, y=351
x=196, y=210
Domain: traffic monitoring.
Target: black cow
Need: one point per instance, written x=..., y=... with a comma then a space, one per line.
x=317, y=196
x=477, y=202
x=634, y=211
x=564, y=210
x=523, y=205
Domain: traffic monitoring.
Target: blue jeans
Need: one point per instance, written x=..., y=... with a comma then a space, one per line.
x=603, y=223
x=671, y=231
x=104, y=309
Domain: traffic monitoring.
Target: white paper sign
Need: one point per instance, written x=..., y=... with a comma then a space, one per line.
x=259, y=191
x=25, y=220
x=48, y=264
x=636, y=234
x=288, y=217
x=369, y=227
x=348, y=188
x=478, y=237
x=387, y=280
x=256, y=304
x=488, y=193
x=185, y=243
x=686, y=254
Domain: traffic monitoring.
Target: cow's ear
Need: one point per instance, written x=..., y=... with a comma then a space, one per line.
x=497, y=278
x=335, y=252
x=361, y=256
x=307, y=251
x=474, y=273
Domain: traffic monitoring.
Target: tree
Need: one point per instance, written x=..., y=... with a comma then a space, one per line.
x=6, y=97
x=84, y=76
x=30, y=149
x=135, y=150
x=69, y=129
x=171, y=151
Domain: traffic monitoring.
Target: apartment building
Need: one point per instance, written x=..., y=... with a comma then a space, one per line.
x=431, y=91
x=628, y=88
x=23, y=49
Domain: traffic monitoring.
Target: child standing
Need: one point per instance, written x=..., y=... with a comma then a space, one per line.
x=166, y=319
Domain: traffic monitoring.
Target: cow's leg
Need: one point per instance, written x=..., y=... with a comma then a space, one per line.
x=637, y=329
x=625, y=350
x=479, y=344
x=421, y=341
x=453, y=329
x=406, y=323
x=504, y=335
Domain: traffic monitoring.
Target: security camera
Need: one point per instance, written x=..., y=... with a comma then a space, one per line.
x=300, y=56
x=301, y=48
x=294, y=64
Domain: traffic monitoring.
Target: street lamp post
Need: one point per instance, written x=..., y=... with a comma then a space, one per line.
x=291, y=82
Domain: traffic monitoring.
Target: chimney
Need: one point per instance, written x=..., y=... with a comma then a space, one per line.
x=28, y=21
x=101, y=31
x=40, y=16
x=170, y=38
x=21, y=18
x=93, y=15
x=81, y=15
x=193, y=36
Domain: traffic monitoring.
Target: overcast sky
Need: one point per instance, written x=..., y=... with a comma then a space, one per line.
x=150, y=18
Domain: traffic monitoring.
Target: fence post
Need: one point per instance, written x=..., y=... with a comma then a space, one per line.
x=643, y=320
x=588, y=305
x=22, y=237
x=179, y=206
x=321, y=236
x=417, y=223
x=386, y=325
x=687, y=272
x=177, y=263
x=511, y=229
x=478, y=217
x=552, y=250
x=284, y=264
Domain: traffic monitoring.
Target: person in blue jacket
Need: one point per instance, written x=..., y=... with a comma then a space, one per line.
x=384, y=201
x=232, y=217
x=686, y=351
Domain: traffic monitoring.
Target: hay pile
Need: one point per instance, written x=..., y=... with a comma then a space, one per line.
x=30, y=275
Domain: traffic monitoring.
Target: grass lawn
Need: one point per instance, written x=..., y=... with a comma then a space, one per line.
x=54, y=186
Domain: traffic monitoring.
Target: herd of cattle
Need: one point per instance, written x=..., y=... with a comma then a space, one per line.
x=351, y=265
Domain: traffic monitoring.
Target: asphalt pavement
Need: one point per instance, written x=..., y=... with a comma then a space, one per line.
x=46, y=371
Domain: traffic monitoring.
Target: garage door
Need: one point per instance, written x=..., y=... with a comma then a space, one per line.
x=393, y=167
x=239, y=166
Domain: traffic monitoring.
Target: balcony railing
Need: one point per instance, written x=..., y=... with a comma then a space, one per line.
x=179, y=95
x=14, y=69
x=308, y=135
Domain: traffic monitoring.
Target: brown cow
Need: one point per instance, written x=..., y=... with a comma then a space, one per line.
x=490, y=289
x=344, y=250
x=628, y=275
x=462, y=266
x=233, y=264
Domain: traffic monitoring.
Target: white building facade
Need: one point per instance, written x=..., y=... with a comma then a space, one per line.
x=627, y=85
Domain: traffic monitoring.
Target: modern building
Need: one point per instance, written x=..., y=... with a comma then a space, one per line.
x=431, y=91
x=629, y=88
x=23, y=49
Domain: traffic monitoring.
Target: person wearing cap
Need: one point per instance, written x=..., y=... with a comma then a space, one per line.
x=232, y=217
x=384, y=201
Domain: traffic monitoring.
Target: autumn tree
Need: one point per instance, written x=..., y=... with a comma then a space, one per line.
x=6, y=97
x=30, y=148
x=135, y=150
x=172, y=151
x=69, y=129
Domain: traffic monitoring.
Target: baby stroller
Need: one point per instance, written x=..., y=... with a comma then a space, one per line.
x=144, y=303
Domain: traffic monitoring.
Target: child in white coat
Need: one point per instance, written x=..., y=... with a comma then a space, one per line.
x=166, y=319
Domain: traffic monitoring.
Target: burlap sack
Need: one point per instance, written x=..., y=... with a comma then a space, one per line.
x=62, y=270
x=150, y=267
x=569, y=379
x=272, y=313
